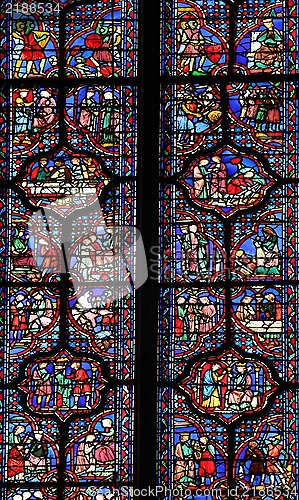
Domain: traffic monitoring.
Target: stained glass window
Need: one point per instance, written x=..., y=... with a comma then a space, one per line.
x=228, y=354
x=68, y=170
x=201, y=153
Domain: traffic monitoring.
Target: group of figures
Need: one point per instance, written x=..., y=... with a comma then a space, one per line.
x=229, y=385
x=98, y=50
x=93, y=110
x=61, y=176
x=94, y=454
x=93, y=52
x=32, y=313
x=195, y=461
x=198, y=110
x=261, y=312
x=258, y=311
x=261, y=108
x=194, y=316
x=257, y=255
x=225, y=181
x=34, y=111
x=97, y=111
x=262, y=462
x=63, y=384
x=257, y=107
x=263, y=459
x=201, y=48
x=31, y=454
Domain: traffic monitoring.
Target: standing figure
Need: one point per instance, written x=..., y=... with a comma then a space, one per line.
x=198, y=258
x=180, y=311
x=33, y=51
x=185, y=126
x=200, y=186
x=205, y=458
x=24, y=113
x=257, y=461
x=248, y=101
x=184, y=471
x=273, y=117
x=192, y=314
x=262, y=111
x=218, y=180
x=82, y=386
x=117, y=39
x=19, y=312
x=110, y=121
x=207, y=314
x=274, y=453
x=89, y=111
x=18, y=46
x=63, y=384
x=211, y=386
x=185, y=248
x=191, y=46
x=42, y=385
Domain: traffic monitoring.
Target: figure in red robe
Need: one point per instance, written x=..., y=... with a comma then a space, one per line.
x=82, y=384
x=17, y=453
x=34, y=48
x=105, y=452
x=205, y=457
x=218, y=180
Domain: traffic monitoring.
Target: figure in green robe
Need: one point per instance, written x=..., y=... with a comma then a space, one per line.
x=110, y=119
x=267, y=253
x=63, y=385
x=269, y=55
